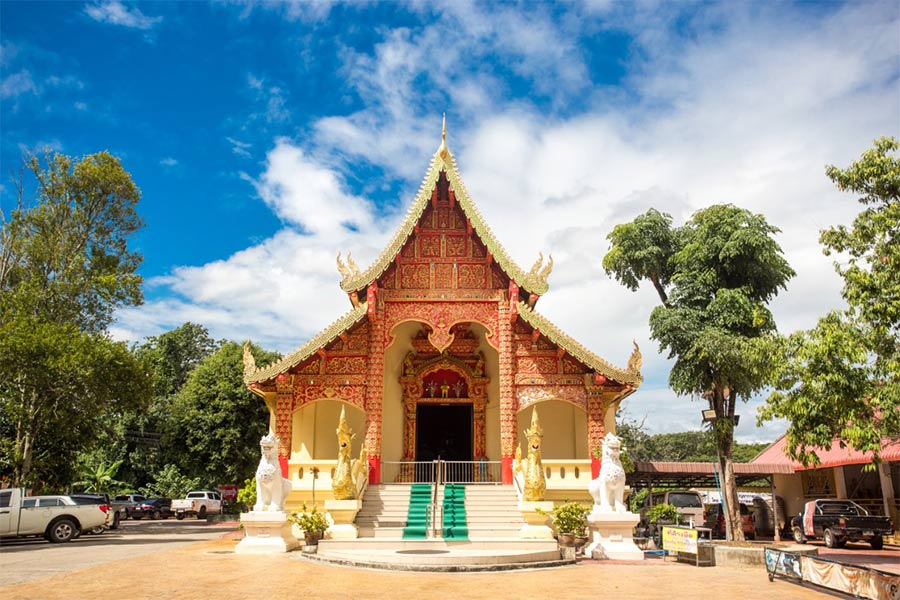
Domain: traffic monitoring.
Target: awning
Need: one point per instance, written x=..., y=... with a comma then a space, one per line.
x=835, y=456
x=699, y=474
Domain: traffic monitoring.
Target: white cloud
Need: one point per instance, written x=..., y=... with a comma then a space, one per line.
x=116, y=13
x=240, y=148
x=747, y=111
x=17, y=84
x=168, y=162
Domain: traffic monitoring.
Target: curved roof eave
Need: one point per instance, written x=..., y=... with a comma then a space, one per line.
x=325, y=337
x=576, y=350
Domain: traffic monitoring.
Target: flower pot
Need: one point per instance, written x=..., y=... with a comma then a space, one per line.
x=312, y=537
x=580, y=541
x=566, y=540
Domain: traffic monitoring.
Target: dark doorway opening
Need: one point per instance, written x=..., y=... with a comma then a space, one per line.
x=444, y=431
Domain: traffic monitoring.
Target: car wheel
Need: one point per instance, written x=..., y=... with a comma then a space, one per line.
x=831, y=540
x=61, y=531
x=136, y=517
x=155, y=515
x=115, y=520
x=180, y=516
x=202, y=513
x=798, y=536
x=97, y=530
x=877, y=542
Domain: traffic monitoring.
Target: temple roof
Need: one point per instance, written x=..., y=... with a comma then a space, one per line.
x=534, y=280
x=576, y=350
x=328, y=335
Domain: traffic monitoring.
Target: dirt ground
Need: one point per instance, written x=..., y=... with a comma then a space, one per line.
x=211, y=570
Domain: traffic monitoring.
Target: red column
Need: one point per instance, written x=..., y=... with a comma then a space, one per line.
x=374, y=390
x=284, y=408
x=508, y=425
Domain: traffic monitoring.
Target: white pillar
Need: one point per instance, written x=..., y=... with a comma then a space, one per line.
x=840, y=484
x=887, y=488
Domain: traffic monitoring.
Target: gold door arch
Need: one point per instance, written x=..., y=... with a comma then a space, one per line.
x=412, y=383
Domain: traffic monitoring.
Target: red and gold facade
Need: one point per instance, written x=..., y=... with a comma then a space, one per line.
x=444, y=317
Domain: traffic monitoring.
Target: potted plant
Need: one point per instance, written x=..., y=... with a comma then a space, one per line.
x=661, y=514
x=312, y=522
x=569, y=520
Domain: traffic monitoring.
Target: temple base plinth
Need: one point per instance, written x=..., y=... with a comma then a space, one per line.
x=266, y=532
x=611, y=536
x=535, y=527
x=343, y=513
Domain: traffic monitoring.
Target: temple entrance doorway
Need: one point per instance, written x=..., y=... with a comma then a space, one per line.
x=444, y=431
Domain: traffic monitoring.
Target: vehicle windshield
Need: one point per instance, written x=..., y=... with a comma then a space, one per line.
x=685, y=500
x=196, y=495
x=839, y=508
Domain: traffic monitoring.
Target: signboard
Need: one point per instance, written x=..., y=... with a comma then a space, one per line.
x=229, y=492
x=680, y=539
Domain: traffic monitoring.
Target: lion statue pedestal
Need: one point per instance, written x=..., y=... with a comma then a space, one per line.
x=609, y=523
x=266, y=527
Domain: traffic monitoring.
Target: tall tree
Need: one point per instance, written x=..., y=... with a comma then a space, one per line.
x=841, y=380
x=65, y=267
x=714, y=277
x=217, y=422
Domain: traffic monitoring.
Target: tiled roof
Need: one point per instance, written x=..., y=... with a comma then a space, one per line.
x=835, y=456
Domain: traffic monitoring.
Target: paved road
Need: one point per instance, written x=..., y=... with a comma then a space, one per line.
x=31, y=558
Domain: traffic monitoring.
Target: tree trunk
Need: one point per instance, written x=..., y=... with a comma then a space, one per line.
x=724, y=434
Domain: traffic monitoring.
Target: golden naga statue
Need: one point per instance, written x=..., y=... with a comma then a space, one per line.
x=530, y=469
x=349, y=475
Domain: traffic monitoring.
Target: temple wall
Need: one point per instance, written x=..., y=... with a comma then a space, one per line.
x=392, y=406
x=492, y=411
x=314, y=426
x=565, y=430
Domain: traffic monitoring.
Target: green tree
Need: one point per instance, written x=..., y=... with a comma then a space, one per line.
x=841, y=380
x=217, y=422
x=170, y=482
x=65, y=268
x=714, y=277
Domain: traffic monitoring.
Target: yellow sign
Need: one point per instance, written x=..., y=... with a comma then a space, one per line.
x=679, y=539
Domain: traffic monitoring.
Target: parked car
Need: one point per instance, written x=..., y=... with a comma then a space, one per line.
x=715, y=520
x=125, y=502
x=154, y=508
x=56, y=518
x=200, y=503
x=113, y=515
x=840, y=521
x=688, y=503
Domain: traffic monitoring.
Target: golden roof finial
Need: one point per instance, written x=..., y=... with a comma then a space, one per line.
x=443, y=149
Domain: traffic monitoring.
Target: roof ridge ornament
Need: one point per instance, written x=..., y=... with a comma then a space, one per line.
x=443, y=151
x=539, y=272
x=342, y=268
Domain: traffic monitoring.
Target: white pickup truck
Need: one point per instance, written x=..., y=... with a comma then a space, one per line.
x=56, y=518
x=200, y=503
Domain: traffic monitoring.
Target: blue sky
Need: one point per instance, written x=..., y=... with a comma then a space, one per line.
x=255, y=129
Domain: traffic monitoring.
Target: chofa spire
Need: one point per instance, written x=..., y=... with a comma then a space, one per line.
x=443, y=149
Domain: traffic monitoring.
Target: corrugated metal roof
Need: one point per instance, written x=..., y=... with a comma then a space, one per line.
x=708, y=468
x=835, y=456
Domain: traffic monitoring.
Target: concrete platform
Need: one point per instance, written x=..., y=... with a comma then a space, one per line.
x=440, y=556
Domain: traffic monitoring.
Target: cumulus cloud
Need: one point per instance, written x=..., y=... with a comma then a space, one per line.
x=746, y=108
x=114, y=12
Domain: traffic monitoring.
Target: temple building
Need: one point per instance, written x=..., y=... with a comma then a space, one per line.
x=442, y=354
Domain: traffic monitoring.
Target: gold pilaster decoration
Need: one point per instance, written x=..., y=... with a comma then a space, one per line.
x=345, y=483
x=535, y=484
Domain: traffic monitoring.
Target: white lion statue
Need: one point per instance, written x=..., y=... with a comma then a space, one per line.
x=271, y=488
x=608, y=490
